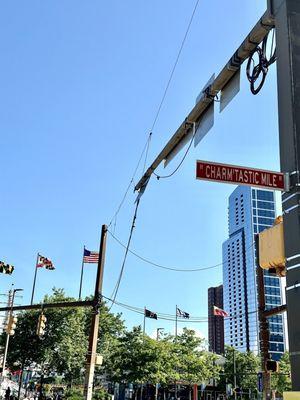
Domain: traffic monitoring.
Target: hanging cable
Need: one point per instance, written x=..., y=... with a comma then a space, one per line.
x=116, y=289
x=171, y=317
x=196, y=269
x=145, y=149
x=174, y=66
x=258, y=72
x=147, y=145
x=185, y=154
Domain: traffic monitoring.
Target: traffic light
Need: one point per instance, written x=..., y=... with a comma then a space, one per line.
x=272, y=366
x=271, y=249
x=40, y=331
x=11, y=325
x=6, y=268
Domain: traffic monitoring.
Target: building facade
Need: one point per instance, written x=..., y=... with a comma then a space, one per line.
x=250, y=212
x=215, y=324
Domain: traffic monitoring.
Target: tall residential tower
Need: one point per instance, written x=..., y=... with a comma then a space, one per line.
x=250, y=212
x=215, y=324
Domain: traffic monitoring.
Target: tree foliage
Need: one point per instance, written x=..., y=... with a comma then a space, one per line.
x=282, y=381
x=247, y=367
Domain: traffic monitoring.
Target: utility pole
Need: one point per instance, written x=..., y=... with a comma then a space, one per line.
x=264, y=337
x=91, y=355
x=263, y=329
x=287, y=23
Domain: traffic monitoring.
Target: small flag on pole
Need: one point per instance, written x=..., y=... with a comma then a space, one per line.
x=219, y=312
x=182, y=314
x=44, y=262
x=150, y=314
x=90, y=257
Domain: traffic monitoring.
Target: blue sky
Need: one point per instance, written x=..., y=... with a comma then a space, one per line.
x=80, y=86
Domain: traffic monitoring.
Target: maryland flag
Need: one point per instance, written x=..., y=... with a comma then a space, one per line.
x=44, y=262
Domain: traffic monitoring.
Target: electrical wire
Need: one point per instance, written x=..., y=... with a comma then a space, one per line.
x=174, y=66
x=171, y=317
x=117, y=286
x=147, y=145
x=145, y=149
x=196, y=269
x=183, y=158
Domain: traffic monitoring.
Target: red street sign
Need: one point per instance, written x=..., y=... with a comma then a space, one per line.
x=211, y=171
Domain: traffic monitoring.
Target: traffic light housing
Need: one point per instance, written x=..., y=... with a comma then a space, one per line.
x=271, y=248
x=272, y=366
x=6, y=268
x=40, y=331
x=11, y=325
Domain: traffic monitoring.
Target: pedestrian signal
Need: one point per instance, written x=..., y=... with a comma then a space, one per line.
x=272, y=366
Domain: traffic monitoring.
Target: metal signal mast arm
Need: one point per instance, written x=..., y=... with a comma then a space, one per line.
x=257, y=34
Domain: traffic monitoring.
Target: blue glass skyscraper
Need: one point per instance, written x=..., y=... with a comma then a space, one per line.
x=250, y=212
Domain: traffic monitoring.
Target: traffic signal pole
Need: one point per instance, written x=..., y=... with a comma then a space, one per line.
x=287, y=23
x=9, y=315
x=91, y=355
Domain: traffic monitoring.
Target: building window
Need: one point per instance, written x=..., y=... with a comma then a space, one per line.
x=265, y=195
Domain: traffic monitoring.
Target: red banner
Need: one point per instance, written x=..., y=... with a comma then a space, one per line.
x=211, y=171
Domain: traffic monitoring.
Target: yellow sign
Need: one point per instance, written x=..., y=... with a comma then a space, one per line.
x=291, y=396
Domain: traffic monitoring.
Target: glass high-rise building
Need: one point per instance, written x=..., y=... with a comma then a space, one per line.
x=250, y=212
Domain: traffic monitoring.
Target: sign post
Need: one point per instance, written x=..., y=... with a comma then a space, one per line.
x=211, y=171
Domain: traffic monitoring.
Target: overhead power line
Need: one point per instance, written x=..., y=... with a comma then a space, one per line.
x=174, y=66
x=176, y=269
x=147, y=144
x=117, y=286
x=172, y=317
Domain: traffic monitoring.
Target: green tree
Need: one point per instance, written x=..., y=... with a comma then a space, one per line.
x=247, y=367
x=25, y=347
x=194, y=364
x=61, y=349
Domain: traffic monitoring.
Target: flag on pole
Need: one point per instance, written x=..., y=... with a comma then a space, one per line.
x=90, y=257
x=219, y=312
x=182, y=314
x=150, y=314
x=44, y=262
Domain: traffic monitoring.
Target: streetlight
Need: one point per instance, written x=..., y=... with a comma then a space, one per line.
x=7, y=334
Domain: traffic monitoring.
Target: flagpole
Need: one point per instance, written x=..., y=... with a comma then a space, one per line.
x=34, y=279
x=144, y=325
x=176, y=321
x=144, y=331
x=81, y=276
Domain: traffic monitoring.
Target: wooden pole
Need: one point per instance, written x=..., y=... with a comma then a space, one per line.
x=91, y=355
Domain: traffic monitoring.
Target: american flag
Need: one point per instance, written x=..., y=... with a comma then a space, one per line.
x=219, y=312
x=91, y=257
